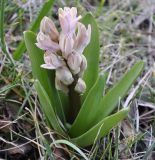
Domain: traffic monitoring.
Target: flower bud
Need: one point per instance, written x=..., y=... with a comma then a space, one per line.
x=52, y=61
x=83, y=38
x=60, y=86
x=80, y=86
x=83, y=66
x=64, y=75
x=68, y=19
x=45, y=43
x=66, y=45
x=74, y=62
x=48, y=28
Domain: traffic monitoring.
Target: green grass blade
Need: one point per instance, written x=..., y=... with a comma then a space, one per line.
x=47, y=107
x=48, y=150
x=112, y=98
x=72, y=146
x=101, y=129
x=2, y=35
x=45, y=77
x=2, y=3
x=82, y=122
x=34, y=27
x=92, y=54
x=149, y=151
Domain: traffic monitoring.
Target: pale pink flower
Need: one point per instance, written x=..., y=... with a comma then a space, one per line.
x=74, y=62
x=63, y=52
x=83, y=38
x=64, y=75
x=61, y=86
x=66, y=43
x=48, y=28
x=52, y=61
x=80, y=86
x=83, y=66
x=45, y=43
x=68, y=19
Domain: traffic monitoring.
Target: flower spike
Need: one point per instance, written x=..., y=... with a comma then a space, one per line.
x=63, y=51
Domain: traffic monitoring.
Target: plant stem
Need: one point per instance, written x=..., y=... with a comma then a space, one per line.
x=75, y=102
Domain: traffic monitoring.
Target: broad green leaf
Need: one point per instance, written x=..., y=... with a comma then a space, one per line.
x=34, y=27
x=100, y=129
x=47, y=107
x=112, y=98
x=45, y=77
x=92, y=54
x=83, y=121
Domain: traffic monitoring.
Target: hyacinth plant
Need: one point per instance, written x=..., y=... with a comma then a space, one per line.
x=65, y=66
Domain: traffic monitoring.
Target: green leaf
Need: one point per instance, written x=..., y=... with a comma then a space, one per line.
x=92, y=54
x=47, y=107
x=82, y=122
x=112, y=98
x=101, y=129
x=34, y=27
x=45, y=77
x=96, y=109
x=72, y=146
